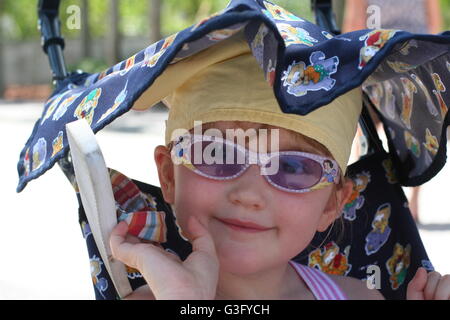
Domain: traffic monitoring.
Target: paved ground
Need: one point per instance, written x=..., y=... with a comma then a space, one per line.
x=42, y=249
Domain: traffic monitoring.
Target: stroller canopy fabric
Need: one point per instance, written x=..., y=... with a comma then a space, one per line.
x=404, y=76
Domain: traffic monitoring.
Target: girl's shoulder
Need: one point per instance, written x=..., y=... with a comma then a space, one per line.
x=356, y=289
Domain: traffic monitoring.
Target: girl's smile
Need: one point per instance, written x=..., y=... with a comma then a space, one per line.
x=244, y=226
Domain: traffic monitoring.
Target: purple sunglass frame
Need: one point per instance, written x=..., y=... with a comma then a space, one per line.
x=180, y=152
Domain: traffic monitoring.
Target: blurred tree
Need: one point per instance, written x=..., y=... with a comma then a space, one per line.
x=85, y=30
x=20, y=19
x=2, y=80
x=155, y=20
x=445, y=10
x=113, y=34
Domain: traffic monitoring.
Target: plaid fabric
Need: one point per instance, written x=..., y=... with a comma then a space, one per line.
x=137, y=209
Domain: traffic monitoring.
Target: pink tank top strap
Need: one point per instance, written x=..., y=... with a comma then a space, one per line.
x=320, y=284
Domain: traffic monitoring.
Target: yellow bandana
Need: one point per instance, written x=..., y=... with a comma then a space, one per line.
x=225, y=83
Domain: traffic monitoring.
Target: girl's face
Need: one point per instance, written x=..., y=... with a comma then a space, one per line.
x=288, y=220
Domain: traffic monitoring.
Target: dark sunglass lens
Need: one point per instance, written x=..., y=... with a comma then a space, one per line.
x=215, y=159
x=296, y=172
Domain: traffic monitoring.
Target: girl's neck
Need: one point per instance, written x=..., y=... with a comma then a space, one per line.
x=280, y=283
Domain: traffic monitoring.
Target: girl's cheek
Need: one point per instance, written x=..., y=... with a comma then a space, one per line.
x=194, y=196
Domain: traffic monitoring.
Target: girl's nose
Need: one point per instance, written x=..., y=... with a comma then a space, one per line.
x=248, y=189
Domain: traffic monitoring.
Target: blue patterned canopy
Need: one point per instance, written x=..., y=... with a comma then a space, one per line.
x=404, y=75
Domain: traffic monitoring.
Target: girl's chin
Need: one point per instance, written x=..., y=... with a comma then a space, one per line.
x=241, y=261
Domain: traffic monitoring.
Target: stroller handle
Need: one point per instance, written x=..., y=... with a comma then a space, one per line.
x=51, y=40
x=325, y=18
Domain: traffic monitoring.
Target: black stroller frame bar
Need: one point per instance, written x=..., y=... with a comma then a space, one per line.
x=51, y=40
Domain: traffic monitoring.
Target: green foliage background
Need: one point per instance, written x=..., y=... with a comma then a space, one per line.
x=20, y=16
x=19, y=19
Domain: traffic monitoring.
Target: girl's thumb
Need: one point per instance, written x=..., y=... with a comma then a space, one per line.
x=416, y=286
x=201, y=238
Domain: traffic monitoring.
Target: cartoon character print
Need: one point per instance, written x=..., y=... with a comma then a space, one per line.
x=427, y=265
x=129, y=64
x=407, y=101
x=117, y=102
x=278, y=13
x=26, y=162
x=400, y=67
x=101, y=284
x=412, y=144
x=356, y=200
x=431, y=143
x=180, y=151
x=373, y=42
x=57, y=143
x=330, y=259
x=430, y=104
x=389, y=100
x=39, y=153
x=294, y=35
x=86, y=229
x=151, y=57
x=270, y=74
x=330, y=173
x=440, y=87
x=149, y=52
x=300, y=78
x=133, y=273
x=406, y=47
x=86, y=108
x=257, y=44
x=55, y=102
x=327, y=35
x=398, y=265
x=218, y=35
x=62, y=108
x=376, y=94
x=380, y=232
x=390, y=172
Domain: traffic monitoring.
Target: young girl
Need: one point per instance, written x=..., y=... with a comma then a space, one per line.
x=246, y=226
x=257, y=66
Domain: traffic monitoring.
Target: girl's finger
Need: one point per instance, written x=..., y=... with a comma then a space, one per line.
x=201, y=238
x=120, y=248
x=430, y=289
x=416, y=286
x=172, y=255
x=443, y=289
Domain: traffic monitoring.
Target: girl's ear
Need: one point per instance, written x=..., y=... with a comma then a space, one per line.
x=335, y=204
x=345, y=193
x=165, y=173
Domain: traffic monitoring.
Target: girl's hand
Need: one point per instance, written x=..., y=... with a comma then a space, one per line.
x=167, y=276
x=428, y=286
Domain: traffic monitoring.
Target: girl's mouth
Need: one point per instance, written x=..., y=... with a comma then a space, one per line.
x=243, y=226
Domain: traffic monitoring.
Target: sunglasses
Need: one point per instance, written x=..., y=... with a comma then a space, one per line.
x=220, y=159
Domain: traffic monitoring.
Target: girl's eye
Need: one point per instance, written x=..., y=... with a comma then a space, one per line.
x=292, y=167
x=299, y=165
